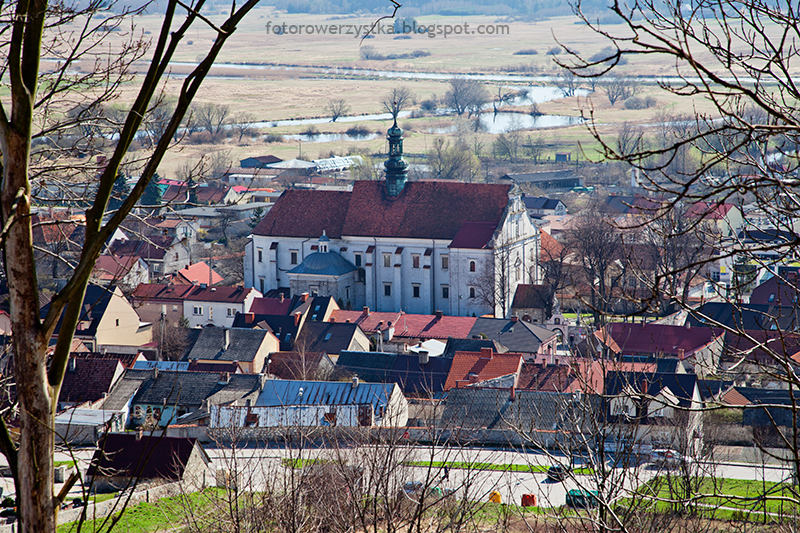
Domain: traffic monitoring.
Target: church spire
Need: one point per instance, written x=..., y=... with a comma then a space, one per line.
x=396, y=168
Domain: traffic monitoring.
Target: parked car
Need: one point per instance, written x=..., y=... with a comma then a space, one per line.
x=669, y=458
x=582, y=498
x=557, y=472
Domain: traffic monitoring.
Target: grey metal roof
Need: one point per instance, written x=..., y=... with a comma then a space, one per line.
x=328, y=337
x=279, y=392
x=189, y=388
x=161, y=365
x=324, y=264
x=369, y=366
x=85, y=417
x=517, y=336
x=531, y=410
x=124, y=389
x=243, y=344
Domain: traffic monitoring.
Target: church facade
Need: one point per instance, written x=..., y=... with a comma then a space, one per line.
x=419, y=247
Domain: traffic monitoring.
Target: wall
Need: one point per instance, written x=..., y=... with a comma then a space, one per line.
x=120, y=324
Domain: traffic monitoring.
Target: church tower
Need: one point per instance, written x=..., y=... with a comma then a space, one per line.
x=396, y=168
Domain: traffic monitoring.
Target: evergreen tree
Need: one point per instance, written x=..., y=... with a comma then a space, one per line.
x=119, y=192
x=152, y=193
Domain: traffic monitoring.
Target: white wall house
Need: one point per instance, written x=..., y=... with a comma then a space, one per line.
x=217, y=306
x=436, y=245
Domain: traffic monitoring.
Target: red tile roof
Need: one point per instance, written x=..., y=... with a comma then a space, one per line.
x=425, y=209
x=712, y=211
x=551, y=248
x=407, y=325
x=474, y=235
x=482, y=365
x=271, y=306
x=366, y=320
x=112, y=267
x=198, y=273
x=650, y=339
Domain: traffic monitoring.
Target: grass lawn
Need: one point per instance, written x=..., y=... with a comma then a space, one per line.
x=751, y=498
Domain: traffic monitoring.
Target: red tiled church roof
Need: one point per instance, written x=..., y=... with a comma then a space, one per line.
x=424, y=209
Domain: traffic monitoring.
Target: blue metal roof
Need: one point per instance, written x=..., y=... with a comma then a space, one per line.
x=324, y=264
x=282, y=392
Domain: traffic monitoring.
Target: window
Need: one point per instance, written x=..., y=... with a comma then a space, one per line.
x=231, y=311
x=472, y=266
x=313, y=290
x=771, y=298
x=358, y=260
x=328, y=336
x=415, y=261
x=415, y=290
x=387, y=260
x=174, y=307
x=118, y=322
x=197, y=310
x=445, y=262
x=347, y=294
x=446, y=292
x=261, y=284
x=137, y=411
x=472, y=292
x=293, y=257
x=260, y=255
x=387, y=289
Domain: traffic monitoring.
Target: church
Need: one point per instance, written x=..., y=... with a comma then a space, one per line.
x=399, y=245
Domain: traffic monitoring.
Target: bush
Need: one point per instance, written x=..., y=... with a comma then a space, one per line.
x=634, y=102
x=606, y=52
x=417, y=113
x=358, y=131
x=272, y=138
x=527, y=52
x=649, y=101
x=310, y=131
x=554, y=51
x=368, y=53
x=428, y=105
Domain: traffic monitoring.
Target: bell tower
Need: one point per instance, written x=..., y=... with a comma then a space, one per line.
x=396, y=168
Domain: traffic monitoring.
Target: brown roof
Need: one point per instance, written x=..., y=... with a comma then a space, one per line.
x=87, y=379
x=114, y=267
x=551, y=248
x=148, y=457
x=530, y=297
x=425, y=209
x=161, y=291
x=469, y=367
x=153, y=248
x=546, y=378
x=205, y=195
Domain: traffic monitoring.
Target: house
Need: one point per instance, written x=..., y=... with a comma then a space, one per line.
x=698, y=350
x=287, y=404
x=474, y=367
x=125, y=271
x=259, y=161
x=299, y=365
x=123, y=461
x=517, y=336
x=552, y=180
x=182, y=229
x=249, y=347
x=203, y=194
x=195, y=274
x=541, y=206
x=81, y=427
x=744, y=317
x=107, y=319
x=416, y=246
x=777, y=290
x=159, y=398
x=88, y=380
x=200, y=305
x=726, y=219
x=532, y=303
x=415, y=374
x=163, y=254
x=659, y=408
x=331, y=338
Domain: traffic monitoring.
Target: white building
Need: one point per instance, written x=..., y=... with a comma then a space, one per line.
x=216, y=306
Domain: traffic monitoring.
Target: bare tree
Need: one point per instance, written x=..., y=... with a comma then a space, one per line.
x=617, y=89
x=337, y=108
x=399, y=98
x=466, y=96
x=242, y=123
x=454, y=161
x=567, y=83
x=32, y=30
x=211, y=117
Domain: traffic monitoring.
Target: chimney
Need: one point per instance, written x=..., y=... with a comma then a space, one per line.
x=249, y=317
x=486, y=353
x=297, y=316
x=514, y=319
x=304, y=297
x=688, y=325
x=139, y=433
x=280, y=298
x=155, y=372
x=439, y=314
x=355, y=382
x=513, y=393
x=681, y=353
x=71, y=364
x=473, y=378
x=227, y=339
x=224, y=377
x=424, y=357
x=332, y=319
x=366, y=311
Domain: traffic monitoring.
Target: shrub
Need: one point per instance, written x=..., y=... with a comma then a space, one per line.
x=357, y=131
x=554, y=51
x=417, y=113
x=428, y=105
x=634, y=102
x=368, y=52
x=272, y=138
x=649, y=101
x=311, y=131
x=526, y=52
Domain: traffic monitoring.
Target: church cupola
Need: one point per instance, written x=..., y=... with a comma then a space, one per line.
x=324, y=241
x=396, y=168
